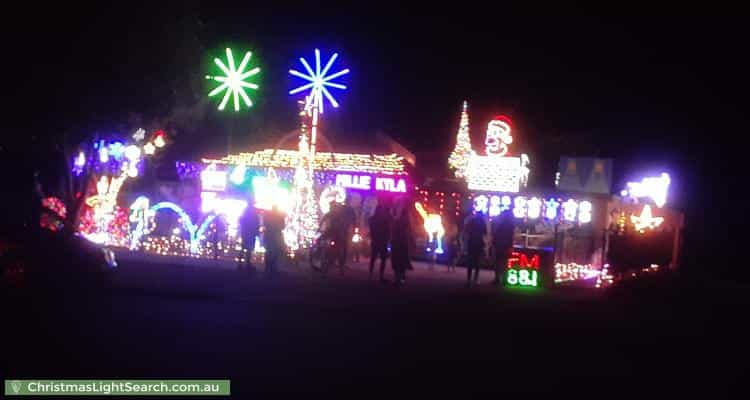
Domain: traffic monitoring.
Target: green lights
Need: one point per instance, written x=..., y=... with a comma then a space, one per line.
x=234, y=82
x=522, y=278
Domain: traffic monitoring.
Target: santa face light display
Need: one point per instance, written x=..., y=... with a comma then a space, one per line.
x=498, y=136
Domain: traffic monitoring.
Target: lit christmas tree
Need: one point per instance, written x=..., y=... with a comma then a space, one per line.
x=302, y=219
x=459, y=158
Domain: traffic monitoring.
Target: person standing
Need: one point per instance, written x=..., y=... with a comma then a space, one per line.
x=348, y=218
x=401, y=239
x=502, y=242
x=380, y=233
x=476, y=230
x=273, y=225
x=249, y=226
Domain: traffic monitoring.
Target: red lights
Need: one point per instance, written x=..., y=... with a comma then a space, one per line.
x=520, y=260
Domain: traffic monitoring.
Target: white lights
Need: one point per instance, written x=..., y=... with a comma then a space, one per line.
x=534, y=208
x=496, y=174
x=646, y=220
x=80, y=160
x=231, y=209
x=519, y=207
x=570, y=209
x=103, y=155
x=655, y=188
x=159, y=140
x=459, y=158
x=584, y=212
x=495, y=209
x=329, y=195
x=213, y=180
x=238, y=174
x=550, y=208
x=149, y=148
x=480, y=203
x=133, y=153
x=268, y=193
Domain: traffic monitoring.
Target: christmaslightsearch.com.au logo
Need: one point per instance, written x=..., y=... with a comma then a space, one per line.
x=35, y=387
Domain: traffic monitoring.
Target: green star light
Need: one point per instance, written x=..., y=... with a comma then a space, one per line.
x=234, y=81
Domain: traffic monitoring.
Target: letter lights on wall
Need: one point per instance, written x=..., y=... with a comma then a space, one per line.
x=534, y=208
x=584, y=212
x=519, y=207
x=480, y=203
x=550, y=208
x=570, y=210
x=495, y=208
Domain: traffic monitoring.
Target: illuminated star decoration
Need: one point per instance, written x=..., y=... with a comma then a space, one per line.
x=645, y=220
x=234, y=81
x=319, y=82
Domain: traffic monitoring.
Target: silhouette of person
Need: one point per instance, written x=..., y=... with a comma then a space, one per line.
x=273, y=225
x=401, y=239
x=380, y=233
x=249, y=226
x=476, y=230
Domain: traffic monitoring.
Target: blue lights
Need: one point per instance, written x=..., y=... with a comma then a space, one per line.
x=195, y=232
x=318, y=81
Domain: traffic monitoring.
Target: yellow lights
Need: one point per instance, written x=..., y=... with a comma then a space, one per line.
x=646, y=220
x=159, y=141
x=459, y=158
x=433, y=225
x=390, y=164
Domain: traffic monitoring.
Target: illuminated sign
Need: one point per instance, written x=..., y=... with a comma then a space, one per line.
x=531, y=208
x=655, y=188
x=363, y=182
x=522, y=271
x=366, y=182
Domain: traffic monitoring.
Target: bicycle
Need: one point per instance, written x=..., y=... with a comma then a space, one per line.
x=322, y=254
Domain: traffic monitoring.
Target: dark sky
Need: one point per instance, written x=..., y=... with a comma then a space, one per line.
x=652, y=93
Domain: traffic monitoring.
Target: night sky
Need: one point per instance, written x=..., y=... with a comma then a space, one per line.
x=654, y=94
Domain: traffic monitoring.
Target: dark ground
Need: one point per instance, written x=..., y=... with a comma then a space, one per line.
x=300, y=333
